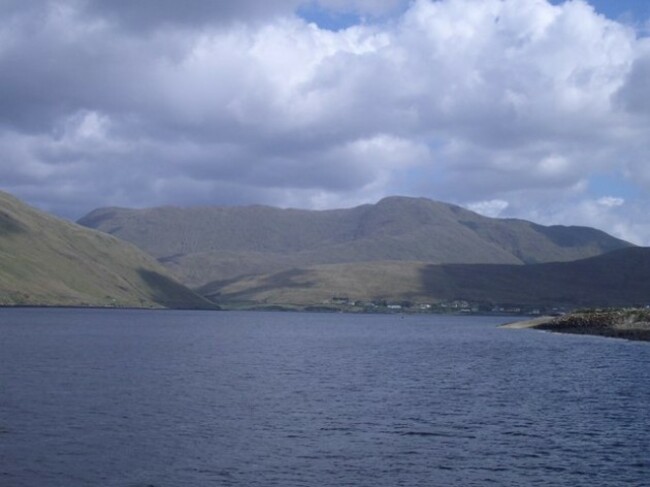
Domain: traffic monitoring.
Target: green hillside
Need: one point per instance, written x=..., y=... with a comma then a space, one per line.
x=619, y=278
x=201, y=245
x=51, y=262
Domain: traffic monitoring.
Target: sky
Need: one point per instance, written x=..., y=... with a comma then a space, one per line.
x=532, y=109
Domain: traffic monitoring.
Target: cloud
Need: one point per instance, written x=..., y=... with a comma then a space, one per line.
x=633, y=94
x=610, y=201
x=491, y=208
x=508, y=104
x=149, y=14
x=620, y=218
x=192, y=14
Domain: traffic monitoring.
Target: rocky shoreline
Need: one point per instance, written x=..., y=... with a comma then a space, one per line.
x=630, y=324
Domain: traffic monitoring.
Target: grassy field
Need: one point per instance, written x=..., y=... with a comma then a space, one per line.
x=619, y=278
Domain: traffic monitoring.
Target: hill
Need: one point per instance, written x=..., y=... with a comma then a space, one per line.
x=201, y=245
x=619, y=278
x=46, y=261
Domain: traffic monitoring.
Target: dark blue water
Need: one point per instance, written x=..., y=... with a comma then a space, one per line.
x=141, y=398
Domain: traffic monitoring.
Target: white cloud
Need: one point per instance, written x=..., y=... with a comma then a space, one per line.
x=491, y=208
x=479, y=102
x=622, y=219
x=610, y=201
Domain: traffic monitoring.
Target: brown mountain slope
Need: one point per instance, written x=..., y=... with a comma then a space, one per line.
x=48, y=261
x=201, y=245
x=619, y=278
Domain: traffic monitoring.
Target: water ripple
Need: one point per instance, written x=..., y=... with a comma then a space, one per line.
x=138, y=399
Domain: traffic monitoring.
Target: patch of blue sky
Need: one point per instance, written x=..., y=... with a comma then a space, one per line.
x=638, y=10
x=342, y=18
x=612, y=184
x=329, y=19
x=635, y=13
x=632, y=12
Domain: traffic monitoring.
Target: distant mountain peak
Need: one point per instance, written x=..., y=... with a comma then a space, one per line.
x=204, y=244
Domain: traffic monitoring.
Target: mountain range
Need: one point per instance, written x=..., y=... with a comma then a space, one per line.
x=215, y=244
x=47, y=261
x=398, y=250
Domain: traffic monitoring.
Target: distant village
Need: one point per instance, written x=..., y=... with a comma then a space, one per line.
x=457, y=306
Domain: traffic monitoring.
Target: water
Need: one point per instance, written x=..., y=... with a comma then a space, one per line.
x=142, y=398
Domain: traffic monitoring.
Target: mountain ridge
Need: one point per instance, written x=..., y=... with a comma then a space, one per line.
x=204, y=244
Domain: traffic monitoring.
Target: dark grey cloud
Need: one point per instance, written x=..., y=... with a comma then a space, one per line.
x=633, y=95
x=150, y=14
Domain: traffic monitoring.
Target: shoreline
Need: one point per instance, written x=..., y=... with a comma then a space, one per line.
x=530, y=323
x=628, y=324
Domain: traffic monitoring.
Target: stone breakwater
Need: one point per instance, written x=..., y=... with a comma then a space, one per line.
x=631, y=324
